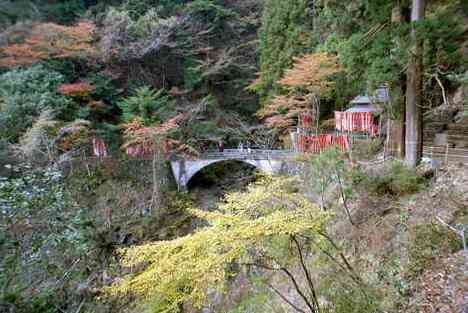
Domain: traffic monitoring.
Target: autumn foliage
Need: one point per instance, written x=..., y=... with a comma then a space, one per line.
x=75, y=135
x=304, y=83
x=185, y=270
x=141, y=140
x=283, y=111
x=79, y=90
x=50, y=41
x=311, y=72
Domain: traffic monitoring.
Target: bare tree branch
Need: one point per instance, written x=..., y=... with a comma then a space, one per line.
x=306, y=272
x=298, y=289
x=343, y=197
x=285, y=299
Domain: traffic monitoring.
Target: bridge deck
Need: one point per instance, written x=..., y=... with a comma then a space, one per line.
x=256, y=154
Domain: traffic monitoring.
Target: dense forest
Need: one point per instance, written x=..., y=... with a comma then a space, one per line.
x=100, y=98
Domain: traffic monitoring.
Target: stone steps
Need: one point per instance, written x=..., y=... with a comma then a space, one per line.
x=457, y=127
x=440, y=129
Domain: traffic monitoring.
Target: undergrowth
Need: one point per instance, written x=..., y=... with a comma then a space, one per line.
x=429, y=241
x=394, y=179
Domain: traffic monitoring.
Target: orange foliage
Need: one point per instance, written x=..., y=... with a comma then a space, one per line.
x=140, y=140
x=304, y=82
x=69, y=142
x=80, y=90
x=282, y=111
x=311, y=72
x=75, y=136
x=48, y=40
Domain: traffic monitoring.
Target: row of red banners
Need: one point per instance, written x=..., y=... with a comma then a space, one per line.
x=316, y=144
x=356, y=122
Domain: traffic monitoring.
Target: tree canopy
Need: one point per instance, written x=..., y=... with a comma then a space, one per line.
x=186, y=269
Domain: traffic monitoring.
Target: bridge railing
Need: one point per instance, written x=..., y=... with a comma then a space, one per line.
x=248, y=154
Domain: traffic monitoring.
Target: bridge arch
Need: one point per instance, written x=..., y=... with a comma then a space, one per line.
x=200, y=166
x=268, y=161
x=185, y=170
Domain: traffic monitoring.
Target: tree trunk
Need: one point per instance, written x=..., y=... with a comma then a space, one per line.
x=413, y=142
x=400, y=14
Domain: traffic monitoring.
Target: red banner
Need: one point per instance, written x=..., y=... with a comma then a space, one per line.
x=99, y=147
x=316, y=144
x=307, y=120
x=356, y=122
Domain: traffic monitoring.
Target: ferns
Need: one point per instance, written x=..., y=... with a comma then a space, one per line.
x=147, y=104
x=35, y=143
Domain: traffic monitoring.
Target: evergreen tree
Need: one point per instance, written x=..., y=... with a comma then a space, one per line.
x=285, y=33
x=24, y=94
x=147, y=104
x=414, y=91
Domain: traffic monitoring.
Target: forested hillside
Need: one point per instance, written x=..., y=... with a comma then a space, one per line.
x=363, y=103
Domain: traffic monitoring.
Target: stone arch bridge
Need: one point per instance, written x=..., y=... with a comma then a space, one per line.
x=268, y=161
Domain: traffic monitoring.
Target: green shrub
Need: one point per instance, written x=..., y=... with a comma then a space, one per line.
x=65, y=12
x=324, y=171
x=255, y=302
x=148, y=104
x=367, y=149
x=429, y=241
x=350, y=300
x=205, y=131
x=45, y=302
x=404, y=180
x=393, y=179
x=344, y=296
x=164, y=8
x=12, y=12
x=6, y=158
x=24, y=94
x=209, y=12
x=105, y=87
x=43, y=233
x=192, y=73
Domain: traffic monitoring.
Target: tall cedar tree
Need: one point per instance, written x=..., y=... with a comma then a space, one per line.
x=413, y=142
x=286, y=32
